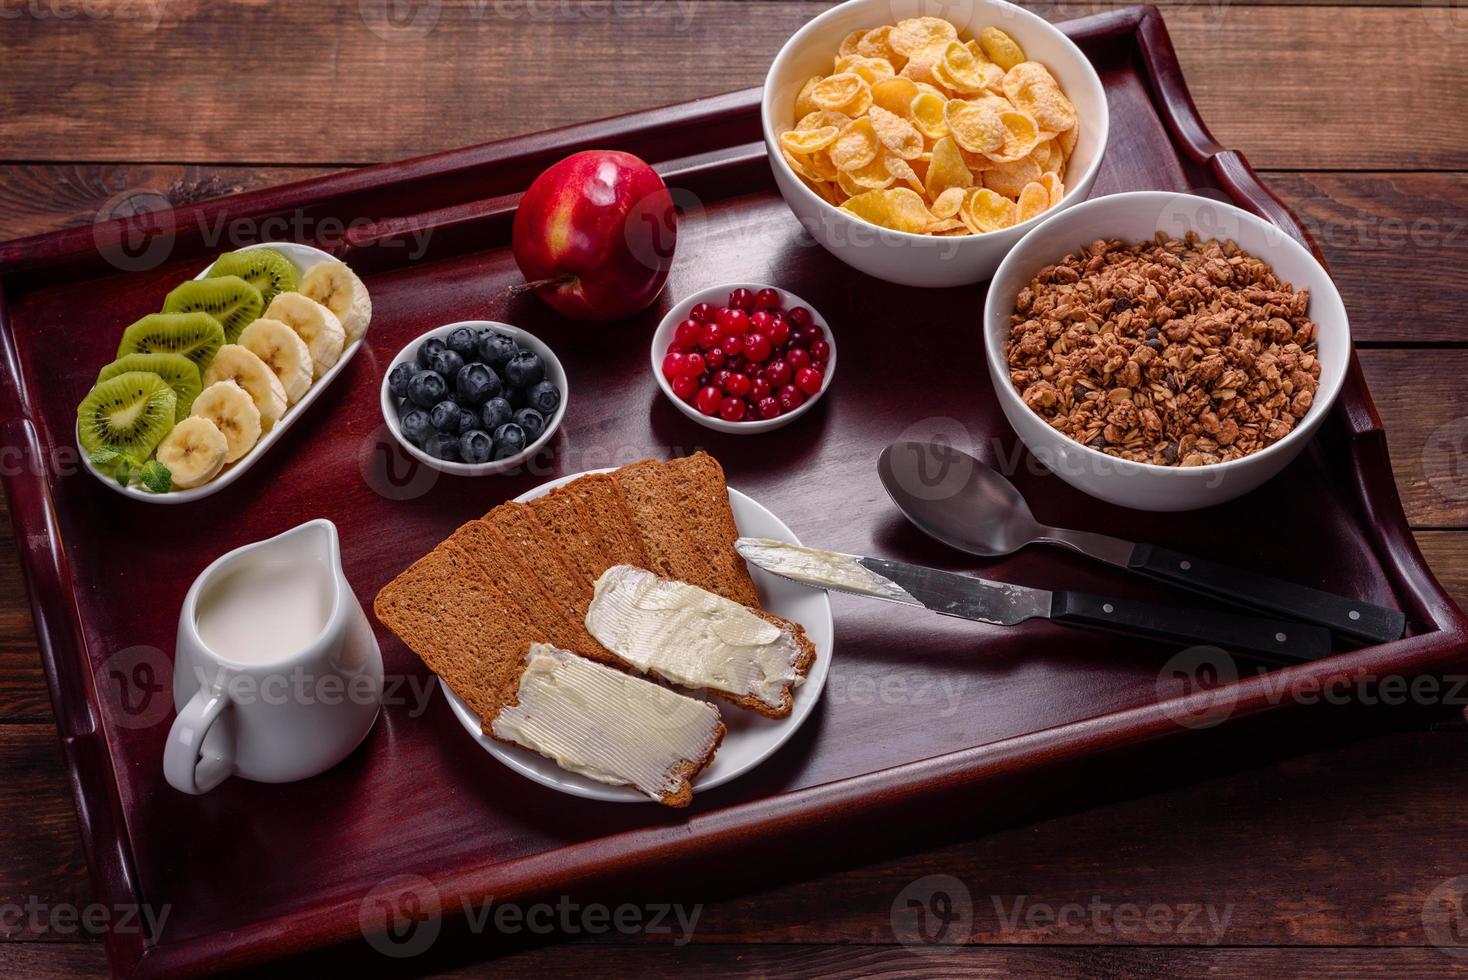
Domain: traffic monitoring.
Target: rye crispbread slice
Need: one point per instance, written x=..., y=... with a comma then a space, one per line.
x=681, y=774
x=568, y=523
x=602, y=500
x=652, y=499
x=565, y=583
x=469, y=633
x=502, y=561
x=703, y=494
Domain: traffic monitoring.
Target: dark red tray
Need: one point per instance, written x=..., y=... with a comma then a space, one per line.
x=253, y=872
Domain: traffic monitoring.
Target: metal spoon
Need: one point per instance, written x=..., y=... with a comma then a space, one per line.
x=970, y=506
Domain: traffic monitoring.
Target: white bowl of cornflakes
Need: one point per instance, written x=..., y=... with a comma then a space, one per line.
x=938, y=143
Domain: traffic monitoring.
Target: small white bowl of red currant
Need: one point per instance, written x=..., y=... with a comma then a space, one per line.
x=474, y=398
x=743, y=357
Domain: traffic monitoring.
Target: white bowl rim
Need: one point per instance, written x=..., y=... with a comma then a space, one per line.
x=679, y=313
x=495, y=466
x=772, y=143
x=1288, y=242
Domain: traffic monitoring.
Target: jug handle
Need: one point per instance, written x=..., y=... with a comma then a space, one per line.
x=185, y=764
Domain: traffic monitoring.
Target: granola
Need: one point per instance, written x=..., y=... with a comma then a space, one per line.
x=1179, y=352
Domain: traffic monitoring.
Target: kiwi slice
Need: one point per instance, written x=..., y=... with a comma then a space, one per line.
x=229, y=299
x=131, y=412
x=181, y=374
x=264, y=268
x=197, y=336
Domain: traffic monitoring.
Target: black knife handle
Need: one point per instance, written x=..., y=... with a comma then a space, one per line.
x=1349, y=617
x=1267, y=639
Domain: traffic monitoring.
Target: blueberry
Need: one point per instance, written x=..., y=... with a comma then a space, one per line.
x=495, y=413
x=476, y=446
x=532, y=422
x=516, y=397
x=496, y=349
x=427, y=389
x=509, y=439
x=524, y=369
x=427, y=349
x=445, y=362
x=442, y=445
x=399, y=377
x=476, y=383
x=468, y=420
x=544, y=397
x=416, y=425
x=462, y=341
x=445, y=417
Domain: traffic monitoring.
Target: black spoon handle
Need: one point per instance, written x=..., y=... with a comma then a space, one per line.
x=1348, y=617
x=1267, y=639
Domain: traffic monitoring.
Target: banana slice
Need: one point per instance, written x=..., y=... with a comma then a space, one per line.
x=337, y=288
x=194, y=452
x=316, y=324
x=244, y=367
x=284, y=352
x=233, y=411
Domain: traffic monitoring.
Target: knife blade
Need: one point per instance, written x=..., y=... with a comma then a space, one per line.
x=1006, y=604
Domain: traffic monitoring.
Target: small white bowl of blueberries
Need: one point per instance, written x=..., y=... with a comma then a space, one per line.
x=474, y=398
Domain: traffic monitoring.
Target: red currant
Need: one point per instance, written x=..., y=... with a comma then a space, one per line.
x=760, y=321
x=714, y=359
x=708, y=400
x=797, y=358
x=673, y=365
x=809, y=334
x=687, y=332
x=720, y=378
x=767, y=299
x=799, y=316
x=693, y=364
x=733, y=346
x=757, y=347
x=777, y=373
x=677, y=348
x=759, y=390
x=820, y=352
x=732, y=409
x=709, y=337
x=808, y=380
x=790, y=396
x=779, y=332
x=685, y=386
x=733, y=323
x=741, y=299
x=769, y=407
x=737, y=385
x=702, y=313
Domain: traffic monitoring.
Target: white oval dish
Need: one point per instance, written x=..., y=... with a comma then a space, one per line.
x=1137, y=216
x=718, y=296
x=751, y=738
x=305, y=258
x=554, y=373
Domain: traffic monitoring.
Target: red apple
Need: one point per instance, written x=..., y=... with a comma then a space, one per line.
x=594, y=235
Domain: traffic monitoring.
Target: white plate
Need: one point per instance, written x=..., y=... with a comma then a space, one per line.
x=751, y=738
x=304, y=257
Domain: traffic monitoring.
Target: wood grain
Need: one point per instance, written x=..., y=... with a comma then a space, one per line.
x=362, y=89
x=1422, y=398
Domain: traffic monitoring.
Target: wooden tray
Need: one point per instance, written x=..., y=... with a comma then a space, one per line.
x=917, y=709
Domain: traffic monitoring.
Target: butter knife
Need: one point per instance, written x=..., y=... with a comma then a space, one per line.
x=1004, y=604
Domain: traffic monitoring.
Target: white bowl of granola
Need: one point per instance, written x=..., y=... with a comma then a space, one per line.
x=1158, y=370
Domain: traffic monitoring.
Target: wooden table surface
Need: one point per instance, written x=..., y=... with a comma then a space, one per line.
x=1322, y=863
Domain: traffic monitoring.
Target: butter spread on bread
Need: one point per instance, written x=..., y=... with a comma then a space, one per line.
x=610, y=726
x=695, y=638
